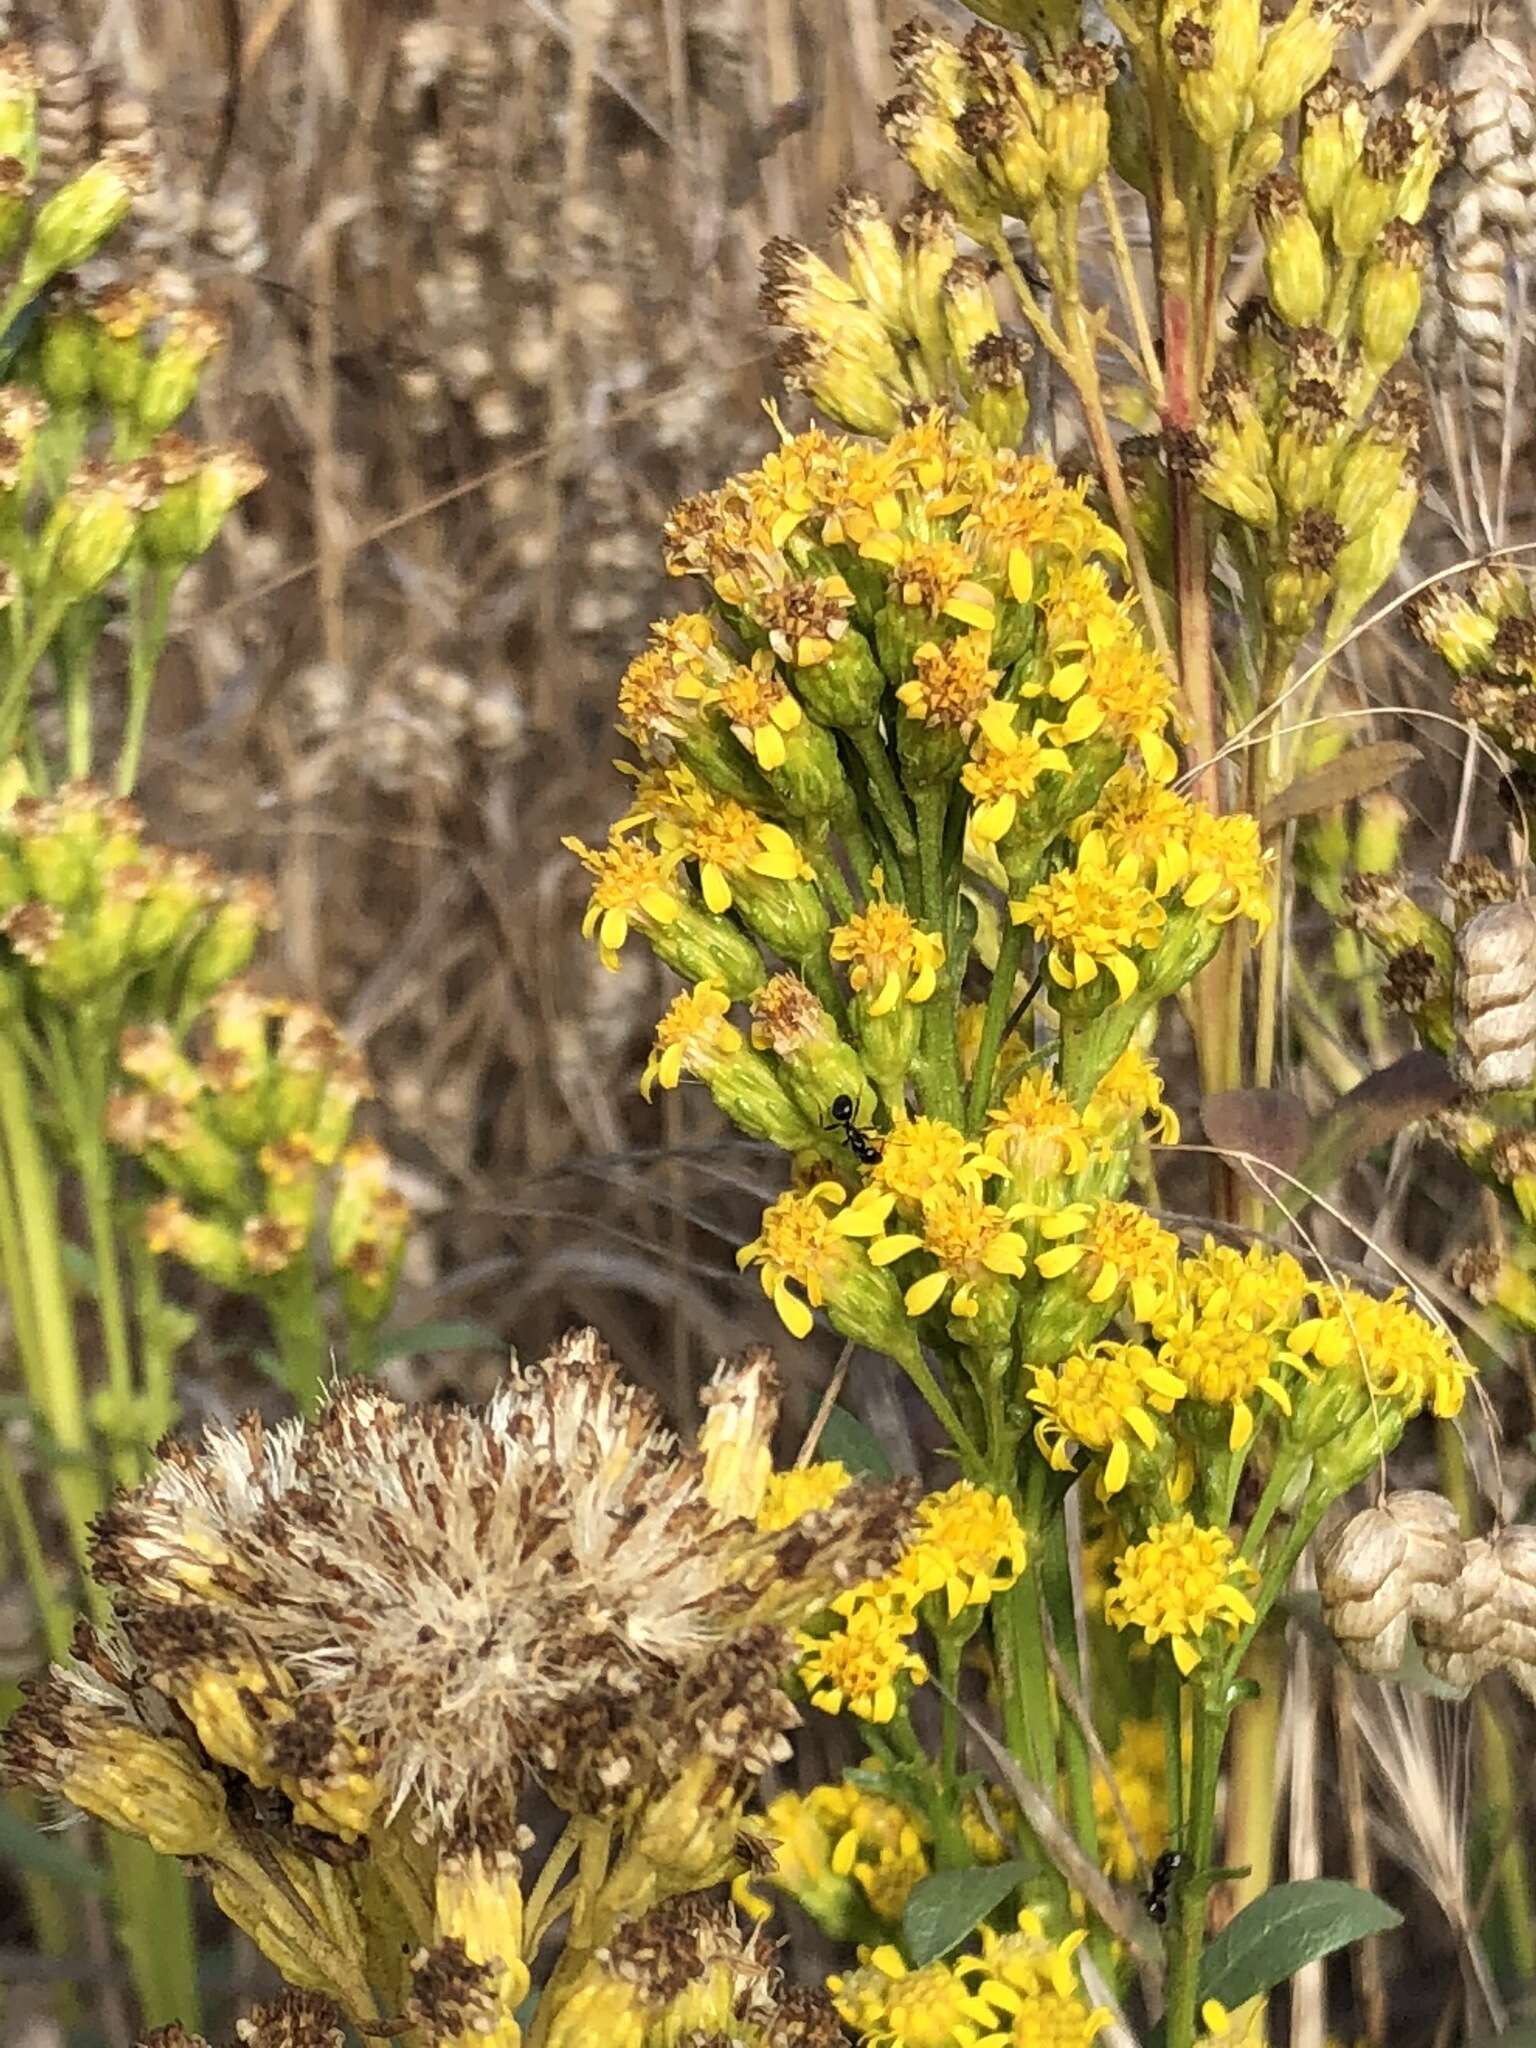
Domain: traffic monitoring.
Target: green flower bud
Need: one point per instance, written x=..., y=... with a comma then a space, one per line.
x=703, y=948
x=970, y=312
x=1368, y=194
x=788, y=916
x=201, y=489
x=210, y=1248
x=1294, y=263
x=1298, y=586
x=15, y=191
x=1206, y=100
x=118, y=316
x=751, y=1094
x=1367, y=561
x=66, y=340
x=171, y=379
x=995, y=382
x=74, y=223
x=1296, y=55
x=874, y=257
x=815, y=1063
x=926, y=137
x=90, y=530
x=225, y=946
x=1375, y=464
x=927, y=251
x=1311, y=433
x=1075, y=125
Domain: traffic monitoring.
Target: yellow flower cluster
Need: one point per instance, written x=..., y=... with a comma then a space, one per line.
x=1184, y=1584
x=1020, y=1991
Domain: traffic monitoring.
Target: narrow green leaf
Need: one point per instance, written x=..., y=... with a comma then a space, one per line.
x=853, y=1444
x=422, y=1339
x=1286, y=1928
x=943, y=1909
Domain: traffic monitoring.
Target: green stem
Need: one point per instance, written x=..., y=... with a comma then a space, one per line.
x=829, y=879
x=1010, y=955
x=298, y=1328
x=1186, y=1938
x=13, y=698
x=941, y=1062
x=885, y=790
x=922, y=1376
x=151, y=625
x=54, y=1613
x=154, y=1924
x=1061, y=1611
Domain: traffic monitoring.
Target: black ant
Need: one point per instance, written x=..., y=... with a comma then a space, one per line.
x=1156, y=1897
x=861, y=1144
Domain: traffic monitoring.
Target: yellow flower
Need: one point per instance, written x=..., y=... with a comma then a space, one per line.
x=1152, y=824
x=890, y=2005
x=804, y=621
x=1139, y=1765
x=758, y=708
x=890, y=957
x=1092, y=914
x=1130, y=1092
x=1228, y=870
x=972, y=1241
x=804, y=1242
x=1035, y=1133
x=794, y=1493
x=1183, y=1584
x=1031, y=1985
x=662, y=690
x=694, y=1035
x=1223, y=1325
x=1006, y=766
x=1115, y=1244
x=632, y=884
x=968, y=1547
x=934, y=576
x=860, y=1665
x=953, y=682
x=839, y=1832
x=921, y=1156
x=723, y=836
x=1101, y=1399
x=1403, y=1357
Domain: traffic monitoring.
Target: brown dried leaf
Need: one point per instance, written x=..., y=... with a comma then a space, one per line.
x=1259, y=1123
x=1336, y=782
x=1385, y=1103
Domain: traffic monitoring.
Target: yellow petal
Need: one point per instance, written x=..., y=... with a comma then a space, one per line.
x=1185, y=1655
x=717, y=890
x=922, y=1294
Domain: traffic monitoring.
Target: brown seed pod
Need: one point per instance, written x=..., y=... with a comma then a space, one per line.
x=1388, y=1566
x=1516, y=1550
x=1495, y=997
x=1461, y=1638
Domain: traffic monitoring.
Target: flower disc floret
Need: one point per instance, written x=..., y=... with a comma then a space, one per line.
x=694, y=1036
x=1035, y=1132
x=1183, y=1585
x=633, y=884
x=1007, y=765
x=1103, y=1399
x=800, y=1490
x=972, y=1241
x=890, y=957
x=863, y=1662
x=952, y=683
x=969, y=1547
x=1092, y=915
x=805, y=1242
x=890, y=2005
x=922, y=1155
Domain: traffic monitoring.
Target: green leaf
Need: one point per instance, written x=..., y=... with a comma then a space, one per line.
x=1286, y=1928
x=853, y=1444
x=943, y=1909
x=27, y=1848
x=417, y=1339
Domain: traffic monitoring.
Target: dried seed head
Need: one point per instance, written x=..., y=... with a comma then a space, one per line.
x=1494, y=991
x=1460, y=1639
x=1473, y=882
x=1386, y=1567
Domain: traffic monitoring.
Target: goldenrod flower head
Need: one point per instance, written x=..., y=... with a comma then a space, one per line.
x=968, y=1547
x=1108, y=1246
x=890, y=957
x=804, y=620
x=726, y=838
x=1184, y=1584
x=1102, y=1399
x=662, y=690
x=1402, y=1356
x=1127, y=1095
x=1149, y=822
x=1036, y=1134
x=1108, y=662
x=1228, y=870
x=758, y=708
x=839, y=1832
x=1092, y=914
x=1031, y=1983
x=972, y=1241
x=953, y=682
x=633, y=884
x=806, y=1242
x=1133, y=1829
x=922, y=1155
x=694, y=1035
x=1223, y=1325
x=1006, y=767
x=863, y=1662
x=936, y=577
x=789, y=1495
x=890, y=2005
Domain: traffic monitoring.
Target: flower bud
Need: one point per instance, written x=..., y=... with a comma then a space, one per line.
x=1075, y=127
x=1296, y=55
x=926, y=137
x=90, y=530
x=15, y=191
x=119, y=315
x=1003, y=136
x=873, y=256
x=1368, y=193
x=203, y=486
x=1330, y=143
x=970, y=312
x=1297, y=588
x=1311, y=432
x=814, y=1062
x=65, y=349
x=1294, y=263
x=1376, y=463
x=1208, y=104
x=18, y=106
x=1390, y=292
x=171, y=379
x=74, y=223
x=1366, y=562
x=995, y=381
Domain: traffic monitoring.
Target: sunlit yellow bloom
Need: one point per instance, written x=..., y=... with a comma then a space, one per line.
x=934, y=576
x=1183, y=1584
x=835, y=1834
x=1133, y=1827
x=1092, y=914
x=1110, y=1245
x=1102, y=1399
x=1150, y=823
x=794, y=1493
x=632, y=884
x=922, y=1155
x=952, y=684
x=890, y=957
x=758, y=708
x=890, y=2005
x=662, y=690
x=1131, y=1091
x=1223, y=1325
x=968, y=1547
x=972, y=1240
x=805, y=620
x=1031, y=1984
x=1035, y=1132
x=804, y=1242
x=694, y=1035
x=1008, y=759
x=861, y=1664
x=1228, y=871
x=1026, y=512
x=1403, y=1357
x=725, y=837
